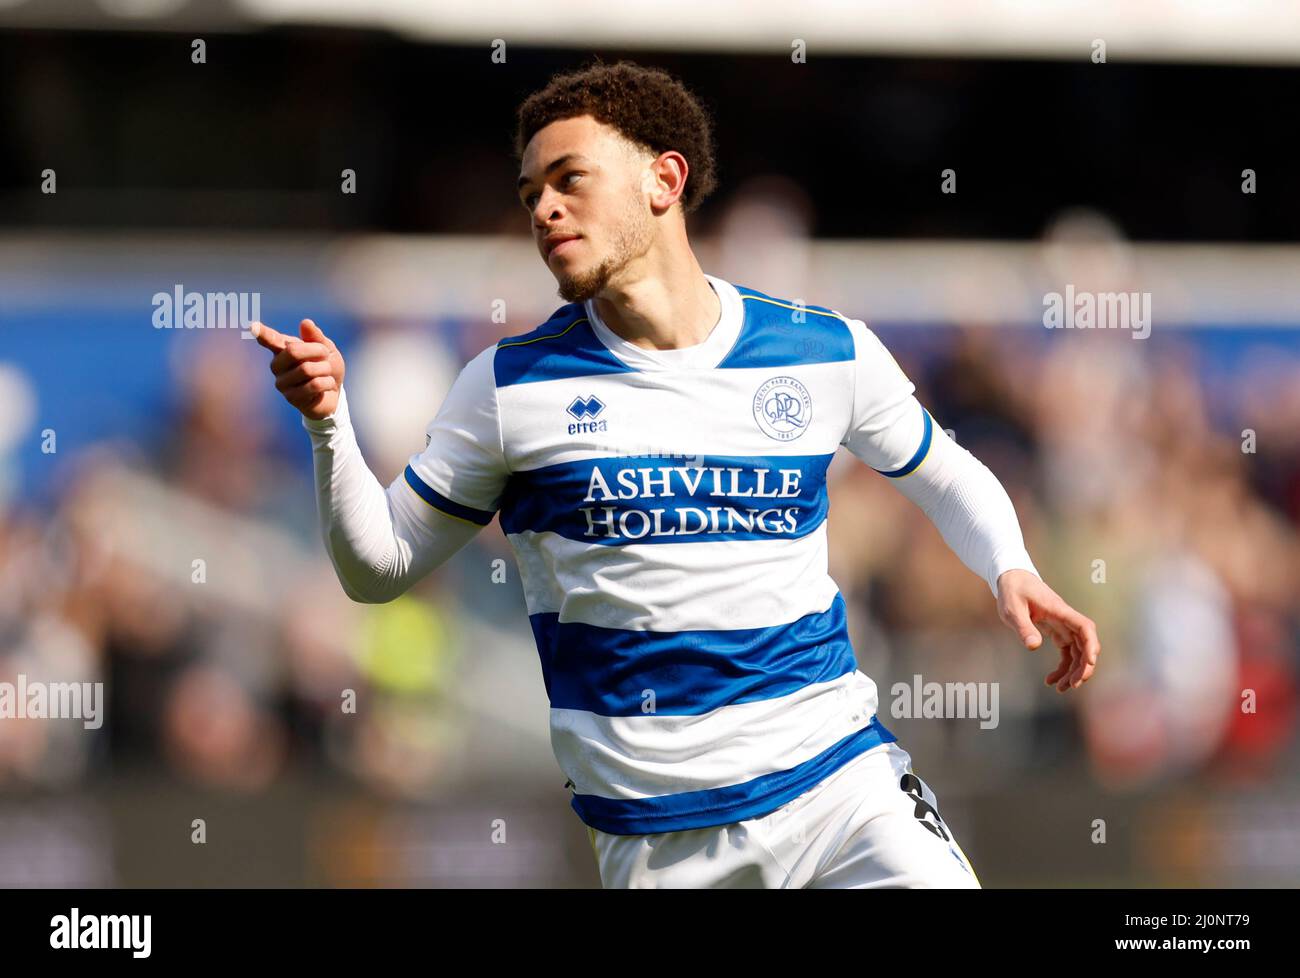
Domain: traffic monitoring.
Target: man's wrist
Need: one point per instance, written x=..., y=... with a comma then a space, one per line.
x=333, y=421
x=1005, y=562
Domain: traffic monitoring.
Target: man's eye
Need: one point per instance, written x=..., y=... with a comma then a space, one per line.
x=531, y=200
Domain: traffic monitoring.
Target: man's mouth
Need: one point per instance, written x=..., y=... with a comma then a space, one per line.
x=560, y=244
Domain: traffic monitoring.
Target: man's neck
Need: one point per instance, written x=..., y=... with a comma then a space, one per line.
x=663, y=313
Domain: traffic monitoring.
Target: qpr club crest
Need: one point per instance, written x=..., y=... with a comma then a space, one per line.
x=783, y=408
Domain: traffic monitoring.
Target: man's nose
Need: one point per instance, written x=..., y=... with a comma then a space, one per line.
x=548, y=209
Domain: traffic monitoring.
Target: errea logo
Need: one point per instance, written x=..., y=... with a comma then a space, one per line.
x=587, y=407
x=584, y=406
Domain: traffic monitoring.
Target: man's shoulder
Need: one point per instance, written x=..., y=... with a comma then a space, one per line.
x=556, y=326
x=563, y=346
x=765, y=304
x=788, y=331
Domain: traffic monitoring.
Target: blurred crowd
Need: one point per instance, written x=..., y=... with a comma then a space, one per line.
x=1159, y=494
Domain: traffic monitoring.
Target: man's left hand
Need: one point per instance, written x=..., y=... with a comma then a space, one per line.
x=1024, y=602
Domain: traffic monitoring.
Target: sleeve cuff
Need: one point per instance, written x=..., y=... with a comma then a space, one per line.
x=1010, y=560
x=335, y=422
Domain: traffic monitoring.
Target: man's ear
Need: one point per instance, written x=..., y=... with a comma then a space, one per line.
x=651, y=181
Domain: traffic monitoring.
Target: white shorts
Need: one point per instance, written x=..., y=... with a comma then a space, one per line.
x=873, y=823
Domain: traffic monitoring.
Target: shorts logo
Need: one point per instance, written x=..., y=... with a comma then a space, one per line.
x=916, y=789
x=783, y=408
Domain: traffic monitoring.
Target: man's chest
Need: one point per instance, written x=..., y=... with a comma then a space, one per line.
x=673, y=456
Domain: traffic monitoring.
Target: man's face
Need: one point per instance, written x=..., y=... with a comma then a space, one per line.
x=580, y=181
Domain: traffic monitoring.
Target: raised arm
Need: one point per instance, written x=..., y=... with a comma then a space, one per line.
x=381, y=541
x=895, y=435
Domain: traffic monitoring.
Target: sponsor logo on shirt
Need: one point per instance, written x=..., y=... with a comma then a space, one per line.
x=689, y=492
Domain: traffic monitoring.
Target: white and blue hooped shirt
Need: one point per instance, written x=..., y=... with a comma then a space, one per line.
x=668, y=511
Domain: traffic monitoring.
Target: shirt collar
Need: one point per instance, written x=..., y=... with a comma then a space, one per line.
x=704, y=355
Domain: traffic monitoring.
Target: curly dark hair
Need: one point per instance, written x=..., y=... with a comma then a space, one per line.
x=646, y=105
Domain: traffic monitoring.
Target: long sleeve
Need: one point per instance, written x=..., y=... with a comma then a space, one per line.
x=381, y=541
x=896, y=436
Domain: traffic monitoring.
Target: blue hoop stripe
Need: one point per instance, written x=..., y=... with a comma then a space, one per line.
x=441, y=503
x=922, y=451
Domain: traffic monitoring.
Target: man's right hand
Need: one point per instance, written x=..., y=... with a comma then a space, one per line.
x=308, y=371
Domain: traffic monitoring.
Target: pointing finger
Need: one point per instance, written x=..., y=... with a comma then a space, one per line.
x=267, y=337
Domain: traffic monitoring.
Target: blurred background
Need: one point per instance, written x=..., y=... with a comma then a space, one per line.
x=351, y=162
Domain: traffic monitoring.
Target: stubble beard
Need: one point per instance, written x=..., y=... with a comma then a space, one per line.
x=634, y=239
